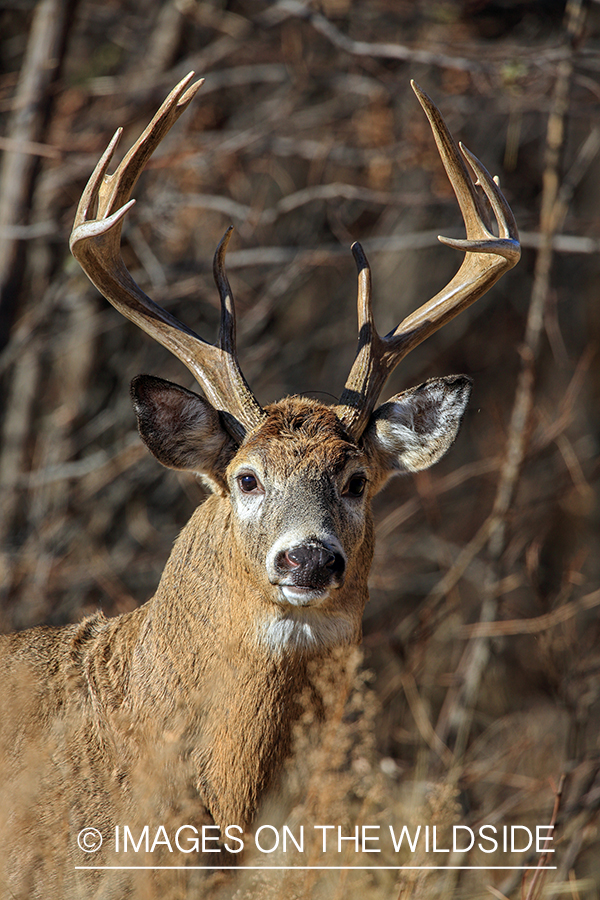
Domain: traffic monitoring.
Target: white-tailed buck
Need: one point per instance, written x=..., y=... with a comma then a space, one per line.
x=184, y=706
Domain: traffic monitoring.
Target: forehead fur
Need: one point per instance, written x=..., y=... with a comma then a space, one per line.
x=300, y=426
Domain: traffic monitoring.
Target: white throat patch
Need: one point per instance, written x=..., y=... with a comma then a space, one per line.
x=305, y=630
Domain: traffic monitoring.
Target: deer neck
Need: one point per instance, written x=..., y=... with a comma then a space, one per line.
x=198, y=671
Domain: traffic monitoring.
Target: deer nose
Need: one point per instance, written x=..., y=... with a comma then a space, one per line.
x=311, y=565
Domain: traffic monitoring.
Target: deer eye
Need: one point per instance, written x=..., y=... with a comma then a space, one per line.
x=355, y=486
x=248, y=483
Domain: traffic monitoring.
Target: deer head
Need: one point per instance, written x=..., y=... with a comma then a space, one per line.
x=295, y=479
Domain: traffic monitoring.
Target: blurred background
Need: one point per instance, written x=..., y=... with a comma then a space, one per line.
x=482, y=633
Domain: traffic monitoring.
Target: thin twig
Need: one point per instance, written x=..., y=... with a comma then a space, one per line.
x=545, y=856
x=422, y=719
x=368, y=49
x=453, y=480
x=535, y=625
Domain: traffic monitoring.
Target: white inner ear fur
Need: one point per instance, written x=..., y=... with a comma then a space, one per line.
x=414, y=429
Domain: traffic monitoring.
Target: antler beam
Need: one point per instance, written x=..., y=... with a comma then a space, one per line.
x=487, y=258
x=95, y=243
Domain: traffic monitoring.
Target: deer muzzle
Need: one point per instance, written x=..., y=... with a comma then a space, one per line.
x=307, y=571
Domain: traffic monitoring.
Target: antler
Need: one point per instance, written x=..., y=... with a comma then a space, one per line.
x=487, y=258
x=95, y=243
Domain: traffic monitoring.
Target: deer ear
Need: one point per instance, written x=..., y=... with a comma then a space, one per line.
x=414, y=429
x=181, y=429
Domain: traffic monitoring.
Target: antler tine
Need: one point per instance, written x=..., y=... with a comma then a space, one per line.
x=227, y=329
x=369, y=343
x=95, y=243
x=487, y=258
x=365, y=306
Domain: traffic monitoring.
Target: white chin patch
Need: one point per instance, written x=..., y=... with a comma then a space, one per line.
x=302, y=596
x=306, y=630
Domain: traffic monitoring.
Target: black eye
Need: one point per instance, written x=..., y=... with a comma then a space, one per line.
x=248, y=483
x=355, y=486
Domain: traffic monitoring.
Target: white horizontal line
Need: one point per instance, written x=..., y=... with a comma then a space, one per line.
x=324, y=868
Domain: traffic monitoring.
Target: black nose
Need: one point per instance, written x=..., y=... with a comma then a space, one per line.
x=311, y=565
